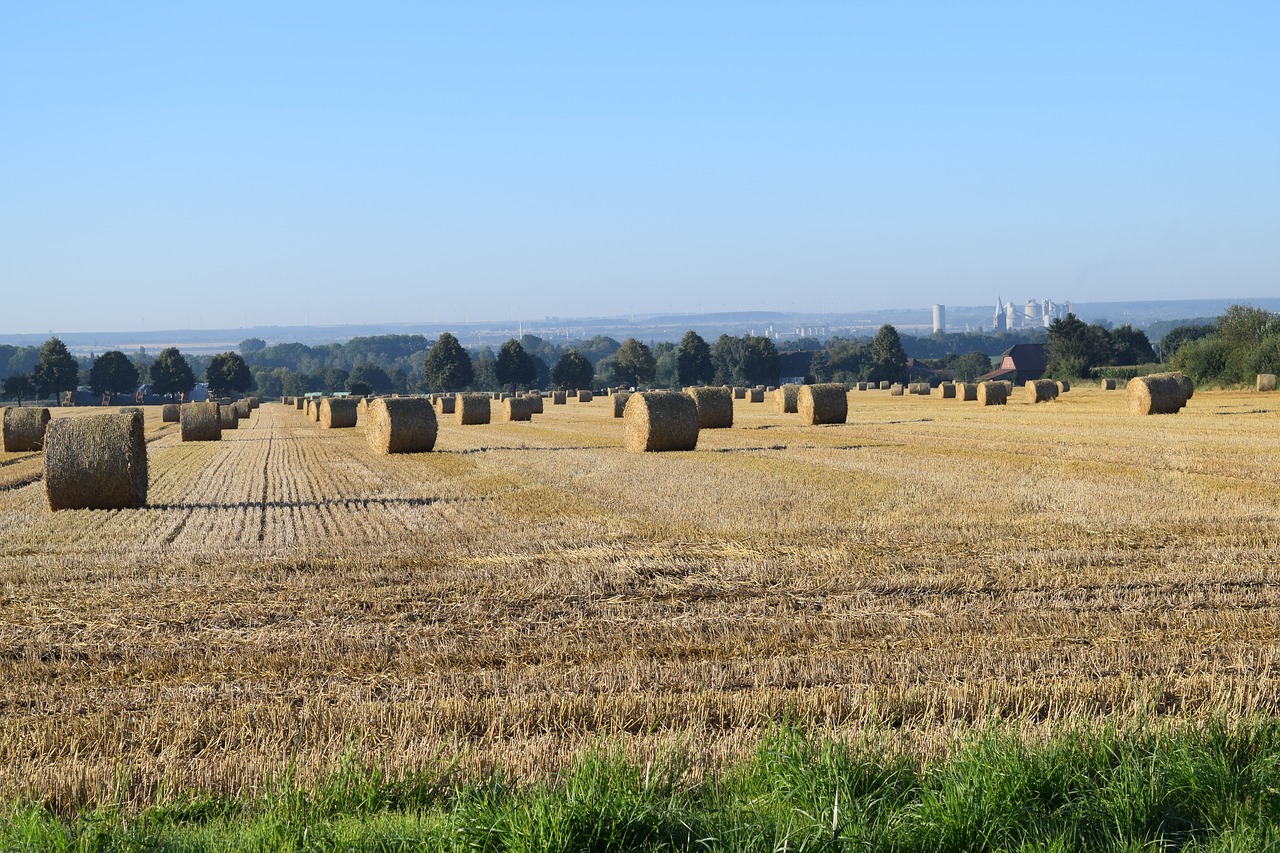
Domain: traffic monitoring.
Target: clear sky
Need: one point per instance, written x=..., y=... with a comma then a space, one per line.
x=222, y=164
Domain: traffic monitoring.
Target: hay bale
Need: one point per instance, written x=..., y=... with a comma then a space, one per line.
x=1266, y=382
x=786, y=399
x=966, y=392
x=445, y=405
x=895, y=390
x=584, y=396
x=243, y=409
x=823, y=404
x=315, y=408
x=253, y=402
x=948, y=390
x=337, y=413
x=620, y=403
x=1188, y=387
x=22, y=428
x=1157, y=394
x=227, y=417
x=300, y=403
x=169, y=413
x=199, y=422
x=715, y=406
x=1041, y=391
x=658, y=421
x=96, y=462
x=362, y=408
x=862, y=386
x=401, y=425
x=924, y=389
x=517, y=409
x=558, y=398
x=1108, y=385
x=1063, y=386
x=992, y=394
x=740, y=393
x=884, y=385
x=535, y=403
x=472, y=409
x=755, y=395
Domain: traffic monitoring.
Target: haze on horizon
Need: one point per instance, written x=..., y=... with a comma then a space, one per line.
x=169, y=166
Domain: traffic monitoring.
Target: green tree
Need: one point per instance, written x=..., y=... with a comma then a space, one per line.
x=18, y=387
x=514, y=366
x=760, y=360
x=1203, y=359
x=728, y=355
x=335, y=379
x=372, y=376
x=448, y=365
x=171, y=374
x=573, y=370
x=113, y=373
x=1130, y=346
x=635, y=364
x=56, y=371
x=1180, y=335
x=228, y=374
x=294, y=384
x=252, y=346
x=693, y=360
x=1075, y=347
x=970, y=366
x=485, y=370
x=886, y=360
x=665, y=367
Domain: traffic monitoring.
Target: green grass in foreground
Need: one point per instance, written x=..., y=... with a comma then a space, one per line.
x=1216, y=787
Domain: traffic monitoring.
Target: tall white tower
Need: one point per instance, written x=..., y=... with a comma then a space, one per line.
x=939, y=319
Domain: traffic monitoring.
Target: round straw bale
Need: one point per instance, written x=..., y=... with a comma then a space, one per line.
x=96, y=462
x=823, y=404
x=755, y=395
x=948, y=390
x=1108, y=385
x=924, y=389
x=1041, y=391
x=1062, y=385
x=169, y=413
x=199, y=422
x=471, y=409
x=966, y=391
x=517, y=409
x=655, y=421
x=884, y=385
x=620, y=403
x=227, y=417
x=315, y=408
x=895, y=390
x=445, y=404
x=1266, y=382
x=715, y=406
x=739, y=393
x=1157, y=394
x=337, y=413
x=558, y=398
x=300, y=402
x=362, y=407
x=992, y=394
x=23, y=428
x=584, y=396
x=401, y=425
x=535, y=403
x=284, y=401
x=1188, y=387
x=253, y=402
x=243, y=409
x=785, y=399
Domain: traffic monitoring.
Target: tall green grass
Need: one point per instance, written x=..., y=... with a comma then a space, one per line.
x=1213, y=787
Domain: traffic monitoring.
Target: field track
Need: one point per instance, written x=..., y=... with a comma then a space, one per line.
x=289, y=596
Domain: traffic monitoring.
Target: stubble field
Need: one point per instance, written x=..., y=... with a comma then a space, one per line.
x=288, y=597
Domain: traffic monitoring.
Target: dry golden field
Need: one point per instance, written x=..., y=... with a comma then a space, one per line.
x=530, y=587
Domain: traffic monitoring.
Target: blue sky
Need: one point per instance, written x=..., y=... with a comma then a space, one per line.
x=168, y=165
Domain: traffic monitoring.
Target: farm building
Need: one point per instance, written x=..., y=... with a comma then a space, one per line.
x=1019, y=364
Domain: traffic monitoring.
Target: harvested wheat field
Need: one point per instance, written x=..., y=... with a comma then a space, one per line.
x=527, y=588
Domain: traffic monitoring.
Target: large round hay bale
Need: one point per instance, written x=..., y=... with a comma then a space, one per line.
x=300, y=403
x=885, y=385
x=471, y=409
x=655, y=421
x=315, y=408
x=401, y=425
x=22, y=428
x=243, y=409
x=584, y=396
x=755, y=395
x=992, y=394
x=535, y=403
x=517, y=409
x=337, y=413
x=823, y=404
x=1063, y=386
x=620, y=403
x=1157, y=394
x=785, y=399
x=199, y=422
x=362, y=408
x=715, y=406
x=966, y=392
x=253, y=402
x=445, y=404
x=558, y=398
x=96, y=462
x=1108, y=385
x=1266, y=382
x=227, y=417
x=896, y=389
x=169, y=413
x=1188, y=387
x=1041, y=391
x=739, y=393
x=948, y=390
